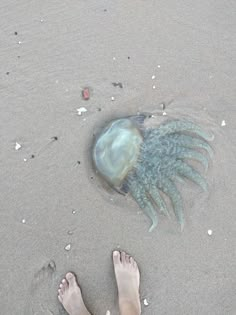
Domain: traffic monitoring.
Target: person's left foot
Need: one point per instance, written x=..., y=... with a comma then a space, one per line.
x=69, y=294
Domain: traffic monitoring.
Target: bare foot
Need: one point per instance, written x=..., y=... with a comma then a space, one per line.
x=69, y=294
x=128, y=279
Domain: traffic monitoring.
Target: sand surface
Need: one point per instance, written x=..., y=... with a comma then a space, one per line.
x=50, y=201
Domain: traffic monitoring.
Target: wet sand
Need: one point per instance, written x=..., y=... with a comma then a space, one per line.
x=50, y=201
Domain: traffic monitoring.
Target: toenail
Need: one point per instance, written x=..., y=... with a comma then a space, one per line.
x=63, y=281
x=115, y=253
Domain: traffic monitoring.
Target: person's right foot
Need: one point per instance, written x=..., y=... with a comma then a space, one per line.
x=128, y=279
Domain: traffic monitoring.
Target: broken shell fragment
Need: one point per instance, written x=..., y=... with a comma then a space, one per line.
x=68, y=247
x=17, y=146
x=81, y=110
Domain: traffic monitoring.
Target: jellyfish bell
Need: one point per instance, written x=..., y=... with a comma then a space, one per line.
x=116, y=150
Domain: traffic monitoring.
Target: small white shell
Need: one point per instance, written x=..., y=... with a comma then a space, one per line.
x=223, y=123
x=209, y=232
x=153, y=77
x=68, y=247
x=17, y=146
x=145, y=302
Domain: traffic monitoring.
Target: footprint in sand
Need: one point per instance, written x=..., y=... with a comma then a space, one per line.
x=42, y=299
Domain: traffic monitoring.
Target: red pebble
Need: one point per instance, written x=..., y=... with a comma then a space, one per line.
x=86, y=94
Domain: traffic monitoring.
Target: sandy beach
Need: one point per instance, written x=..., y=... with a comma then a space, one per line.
x=55, y=214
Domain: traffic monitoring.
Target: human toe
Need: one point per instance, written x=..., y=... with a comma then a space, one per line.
x=64, y=284
x=123, y=257
x=127, y=259
x=116, y=257
x=70, y=277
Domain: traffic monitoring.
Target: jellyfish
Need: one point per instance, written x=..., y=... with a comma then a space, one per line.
x=149, y=162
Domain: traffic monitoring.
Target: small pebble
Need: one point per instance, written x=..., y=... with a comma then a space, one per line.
x=17, y=146
x=112, y=98
x=209, y=232
x=19, y=42
x=70, y=232
x=163, y=106
x=86, y=94
x=25, y=160
x=114, y=58
x=158, y=66
x=118, y=84
x=68, y=247
x=23, y=221
x=153, y=87
x=73, y=212
x=223, y=123
x=108, y=312
x=7, y=72
x=81, y=110
x=16, y=33
x=153, y=77
x=164, y=113
x=145, y=302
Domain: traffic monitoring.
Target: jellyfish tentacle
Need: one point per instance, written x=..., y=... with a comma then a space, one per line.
x=178, y=179
x=170, y=189
x=193, y=142
x=157, y=198
x=186, y=153
x=139, y=194
x=183, y=126
x=190, y=173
